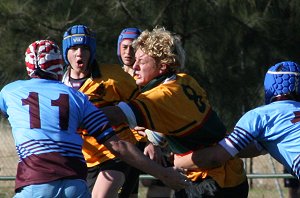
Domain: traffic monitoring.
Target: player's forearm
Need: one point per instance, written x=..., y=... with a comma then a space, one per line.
x=133, y=156
x=185, y=161
x=210, y=157
x=252, y=150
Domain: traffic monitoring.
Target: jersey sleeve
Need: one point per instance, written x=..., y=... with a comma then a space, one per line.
x=245, y=132
x=96, y=123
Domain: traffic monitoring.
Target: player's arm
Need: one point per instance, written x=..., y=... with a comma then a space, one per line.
x=252, y=150
x=134, y=157
x=217, y=155
x=209, y=157
x=97, y=126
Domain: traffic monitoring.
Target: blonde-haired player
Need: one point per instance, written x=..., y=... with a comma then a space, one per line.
x=177, y=106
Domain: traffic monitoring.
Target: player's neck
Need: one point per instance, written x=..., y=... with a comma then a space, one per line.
x=78, y=74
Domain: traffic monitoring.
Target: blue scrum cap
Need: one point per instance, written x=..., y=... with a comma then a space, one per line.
x=281, y=79
x=79, y=35
x=127, y=33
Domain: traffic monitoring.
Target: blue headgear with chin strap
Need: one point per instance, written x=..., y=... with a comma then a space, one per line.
x=282, y=79
x=127, y=33
x=79, y=35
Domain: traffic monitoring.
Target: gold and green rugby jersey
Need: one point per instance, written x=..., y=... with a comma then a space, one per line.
x=179, y=108
x=113, y=85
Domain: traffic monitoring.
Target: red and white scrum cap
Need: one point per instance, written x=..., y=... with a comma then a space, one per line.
x=44, y=60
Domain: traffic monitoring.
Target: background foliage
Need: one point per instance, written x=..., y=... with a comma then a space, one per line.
x=229, y=43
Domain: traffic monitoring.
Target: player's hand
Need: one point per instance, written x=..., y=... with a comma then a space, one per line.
x=155, y=153
x=175, y=178
x=140, y=130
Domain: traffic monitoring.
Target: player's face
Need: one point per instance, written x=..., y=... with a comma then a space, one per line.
x=78, y=57
x=146, y=68
x=127, y=52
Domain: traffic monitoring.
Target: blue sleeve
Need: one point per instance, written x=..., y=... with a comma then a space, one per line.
x=96, y=123
x=247, y=129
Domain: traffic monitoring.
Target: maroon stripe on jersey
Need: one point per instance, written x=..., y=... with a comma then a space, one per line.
x=43, y=168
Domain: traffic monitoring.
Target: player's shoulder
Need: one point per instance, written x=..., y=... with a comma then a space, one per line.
x=77, y=96
x=161, y=91
x=18, y=84
x=263, y=112
x=189, y=82
x=186, y=78
x=181, y=80
x=106, y=68
x=116, y=73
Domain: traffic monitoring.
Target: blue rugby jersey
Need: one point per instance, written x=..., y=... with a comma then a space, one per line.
x=44, y=116
x=276, y=127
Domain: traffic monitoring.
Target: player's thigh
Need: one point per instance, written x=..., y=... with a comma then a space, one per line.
x=108, y=183
x=92, y=176
x=112, y=164
x=131, y=184
x=110, y=178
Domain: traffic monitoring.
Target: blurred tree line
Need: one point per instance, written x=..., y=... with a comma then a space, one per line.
x=229, y=43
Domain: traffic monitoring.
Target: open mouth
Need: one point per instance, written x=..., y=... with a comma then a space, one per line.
x=80, y=63
x=136, y=76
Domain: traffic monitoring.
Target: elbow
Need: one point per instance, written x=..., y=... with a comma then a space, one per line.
x=211, y=157
x=114, y=145
x=115, y=148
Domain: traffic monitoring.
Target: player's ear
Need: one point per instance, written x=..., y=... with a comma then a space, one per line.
x=163, y=68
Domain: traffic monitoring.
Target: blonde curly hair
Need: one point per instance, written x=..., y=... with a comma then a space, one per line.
x=162, y=45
